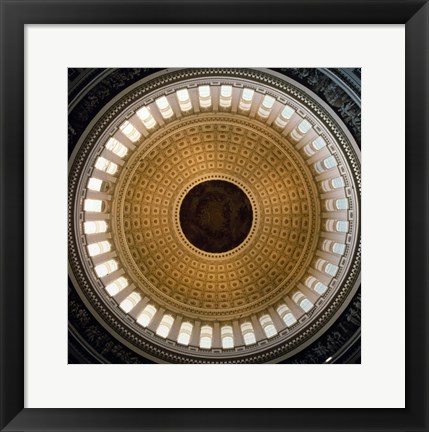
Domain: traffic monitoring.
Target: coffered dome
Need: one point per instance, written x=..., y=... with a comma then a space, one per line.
x=214, y=216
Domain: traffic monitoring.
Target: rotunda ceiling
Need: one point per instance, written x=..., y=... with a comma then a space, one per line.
x=215, y=216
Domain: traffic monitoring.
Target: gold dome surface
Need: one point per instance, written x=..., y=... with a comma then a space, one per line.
x=165, y=265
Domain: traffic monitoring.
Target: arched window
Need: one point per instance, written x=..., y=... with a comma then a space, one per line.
x=334, y=247
x=331, y=269
x=268, y=325
x=92, y=205
x=331, y=184
x=337, y=226
x=339, y=248
x=130, y=131
x=342, y=226
x=98, y=248
x=342, y=204
x=146, y=315
x=105, y=165
x=314, y=146
x=326, y=267
x=304, y=127
x=328, y=163
x=116, y=147
x=306, y=305
x=94, y=227
x=146, y=117
x=246, y=99
x=227, y=336
x=205, y=96
x=117, y=286
x=165, y=326
x=185, y=333
x=300, y=130
x=225, y=99
x=248, y=333
x=184, y=100
x=128, y=304
x=286, y=315
x=206, y=337
x=106, y=268
x=338, y=182
x=312, y=283
x=337, y=204
x=320, y=288
x=164, y=107
x=319, y=143
x=265, y=108
x=94, y=184
x=303, y=302
x=284, y=117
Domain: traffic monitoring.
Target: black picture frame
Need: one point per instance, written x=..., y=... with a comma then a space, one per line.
x=15, y=14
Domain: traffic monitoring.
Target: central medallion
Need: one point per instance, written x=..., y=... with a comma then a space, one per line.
x=216, y=216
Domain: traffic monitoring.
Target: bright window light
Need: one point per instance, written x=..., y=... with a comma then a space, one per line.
x=106, y=268
x=320, y=288
x=248, y=94
x=306, y=305
x=284, y=116
x=165, y=326
x=183, y=95
x=117, y=286
x=265, y=108
x=146, y=117
x=339, y=248
x=94, y=184
x=205, y=97
x=226, y=91
x=268, y=326
x=93, y=227
x=146, y=315
x=130, y=302
x=342, y=204
x=289, y=319
x=246, y=99
x=338, y=182
x=98, y=248
x=227, y=337
x=319, y=143
x=304, y=126
x=287, y=112
x=268, y=102
x=206, y=337
x=184, y=100
x=92, y=205
x=331, y=269
x=116, y=147
x=225, y=100
x=330, y=162
x=130, y=131
x=164, y=107
x=286, y=315
x=342, y=226
x=248, y=333
x=185, y=333
x=105, y=165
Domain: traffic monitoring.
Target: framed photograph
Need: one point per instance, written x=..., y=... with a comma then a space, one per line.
x=197, y=194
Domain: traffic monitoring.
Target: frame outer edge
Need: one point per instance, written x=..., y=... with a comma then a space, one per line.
x=11, y=270
x=417, y=215
x=12, y=215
